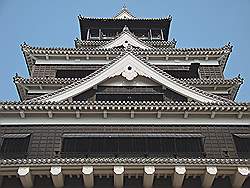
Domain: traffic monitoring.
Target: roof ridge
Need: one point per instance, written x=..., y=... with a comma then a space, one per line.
x=26, y=46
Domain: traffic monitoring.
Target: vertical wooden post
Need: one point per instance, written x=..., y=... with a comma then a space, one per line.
x=57, y=176
x=118, y=176
x=179, y=174
x=209, y=176
x=88, y=177
x=25, y=177
x=239, y=177
x=148, y=177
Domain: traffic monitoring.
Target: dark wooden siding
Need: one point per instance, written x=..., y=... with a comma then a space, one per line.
x=46, y=141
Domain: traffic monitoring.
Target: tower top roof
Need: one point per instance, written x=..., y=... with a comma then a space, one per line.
x=124, y=13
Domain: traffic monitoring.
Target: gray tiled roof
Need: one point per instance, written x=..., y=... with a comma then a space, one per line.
x=191, y=81
x=167, y=106
x=156, y=43
x=168, y=18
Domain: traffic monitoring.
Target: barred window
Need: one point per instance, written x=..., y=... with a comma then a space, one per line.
x=133, y=144
x=242, y=144
x=73, y=73
x=15, y=145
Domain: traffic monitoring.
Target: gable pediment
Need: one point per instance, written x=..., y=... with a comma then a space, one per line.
x=126, y=39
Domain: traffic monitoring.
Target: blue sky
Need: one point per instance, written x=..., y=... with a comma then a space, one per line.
x=54, y=23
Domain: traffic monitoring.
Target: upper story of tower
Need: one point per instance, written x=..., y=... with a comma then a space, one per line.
x=109, y=28
x=140, y=57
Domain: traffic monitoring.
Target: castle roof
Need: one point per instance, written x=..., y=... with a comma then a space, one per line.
x=117, y=66
x=221, y=53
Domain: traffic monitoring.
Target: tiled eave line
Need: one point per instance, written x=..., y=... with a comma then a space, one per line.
x=29, y=52
x=195, y=81
x=191, y=81
x=168, y=18
x=125, y=160
x=95, y=43
x=156, y=51
x=166, y=106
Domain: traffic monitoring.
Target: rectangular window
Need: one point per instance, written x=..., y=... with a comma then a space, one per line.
x=242, y=144
x=73, y=73
x=115, y=144
x=15, y=145
x=129, y=93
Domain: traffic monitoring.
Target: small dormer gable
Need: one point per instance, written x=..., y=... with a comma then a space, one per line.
x=125, y=39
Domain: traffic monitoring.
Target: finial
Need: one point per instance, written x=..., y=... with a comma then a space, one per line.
x=169, y=17
x=125, y=28
x=23, y=44
x=80, y=17
x=124, y=7
x=239, y=77
x=228, y=46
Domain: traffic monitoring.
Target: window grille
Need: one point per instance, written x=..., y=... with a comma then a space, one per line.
x=15, y=145
x=73, y=73
x=242, y=144
x=116, y=144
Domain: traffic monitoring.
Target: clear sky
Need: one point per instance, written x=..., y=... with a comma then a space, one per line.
x=54, y=23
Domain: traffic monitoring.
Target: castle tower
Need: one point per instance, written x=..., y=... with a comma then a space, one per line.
x=125, y=108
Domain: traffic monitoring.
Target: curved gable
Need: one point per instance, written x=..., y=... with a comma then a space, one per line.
x=125, y=39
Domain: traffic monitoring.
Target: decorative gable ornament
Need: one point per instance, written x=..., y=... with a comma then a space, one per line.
x=125, y=39
x=129, y=73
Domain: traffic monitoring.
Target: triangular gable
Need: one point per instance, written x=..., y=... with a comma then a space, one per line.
x=129, y=66
x=124, y=14
x=125, y=39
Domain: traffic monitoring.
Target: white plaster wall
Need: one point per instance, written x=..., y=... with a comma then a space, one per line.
x=125, y=119
x=121, y=81
x=103, y=62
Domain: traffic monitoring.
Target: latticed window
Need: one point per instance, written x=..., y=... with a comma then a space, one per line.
x=15, y=145
x=242, y=144
x=73, y=73
x=174, y=145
